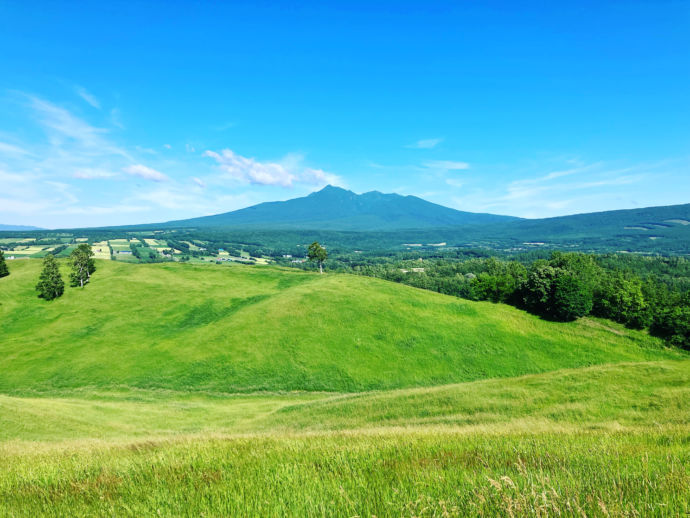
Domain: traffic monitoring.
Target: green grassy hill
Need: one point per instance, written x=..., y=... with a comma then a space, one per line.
x=205, y=390
x=241, y=329
x=628, y=396
x=601, y=441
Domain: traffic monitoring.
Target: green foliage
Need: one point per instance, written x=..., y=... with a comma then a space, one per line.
x=145, y=254
x=621, y=298
x=570, y=298
x=4, y=271
x=83, y=265
x=50, y=284
x=500, y=282
x=673, y=323
x=317, y=253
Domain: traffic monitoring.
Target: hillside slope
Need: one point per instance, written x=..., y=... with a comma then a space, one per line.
x=333, y=208
x=630, y=395
x=238, y=328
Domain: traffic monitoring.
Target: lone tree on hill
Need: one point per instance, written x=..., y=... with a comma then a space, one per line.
x=50, y=284
x=83, y=265
x=4, y=272
x=317, y=253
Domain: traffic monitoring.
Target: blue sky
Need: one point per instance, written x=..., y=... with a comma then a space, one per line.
x=132, y=112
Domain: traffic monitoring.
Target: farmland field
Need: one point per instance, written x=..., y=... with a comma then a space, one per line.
x=360, y=397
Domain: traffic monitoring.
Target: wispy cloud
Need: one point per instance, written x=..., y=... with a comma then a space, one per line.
x=64, y=128
x=11, y=149
x=88, y=97
x=89, y=173
x=284, y=173
x=446, y=165
x=225, y=126
x=116, y=118
x=199, y=182
x=146, y=173
x=583, y=188
x=428, y=143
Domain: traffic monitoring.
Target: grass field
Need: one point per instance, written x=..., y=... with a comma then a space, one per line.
x=204, y=390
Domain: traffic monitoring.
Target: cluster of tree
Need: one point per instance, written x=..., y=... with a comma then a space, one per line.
x=50, y=284
x=145, y=253
x=563, y=287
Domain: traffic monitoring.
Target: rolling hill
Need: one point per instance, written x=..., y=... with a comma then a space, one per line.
x=189, y=327
x=188, y=390
x=333, y=208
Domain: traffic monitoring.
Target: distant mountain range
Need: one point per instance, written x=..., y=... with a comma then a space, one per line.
x=391, y=220
x=333, y=208
x=19, y=228
x=374, y=220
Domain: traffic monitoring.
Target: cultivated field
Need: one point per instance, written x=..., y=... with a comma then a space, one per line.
x=166, y=390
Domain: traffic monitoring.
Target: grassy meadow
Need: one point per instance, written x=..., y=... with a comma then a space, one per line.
x=206, y=390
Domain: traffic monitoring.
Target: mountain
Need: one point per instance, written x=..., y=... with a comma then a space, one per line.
x=333, y=208
x=19, y=228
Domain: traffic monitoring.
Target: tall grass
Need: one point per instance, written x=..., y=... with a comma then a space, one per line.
x=431, y=473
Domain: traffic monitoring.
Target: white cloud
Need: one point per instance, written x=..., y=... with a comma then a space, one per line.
x=320, y=177
x=145, y=172
x=92, y=174
x=251, y=170
x=199, y=182
x=447, y=165
x=454, y=183
x=167, y=146
x=428, y=143
x=284, y=173
x=88, y=97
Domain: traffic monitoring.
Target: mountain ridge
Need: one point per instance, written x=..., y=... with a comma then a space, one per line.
x=335, y=208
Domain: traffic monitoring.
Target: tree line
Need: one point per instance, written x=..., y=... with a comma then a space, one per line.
x=564, y=287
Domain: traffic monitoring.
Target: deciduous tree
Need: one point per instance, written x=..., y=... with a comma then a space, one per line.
x=83, y=265
x=317, y=253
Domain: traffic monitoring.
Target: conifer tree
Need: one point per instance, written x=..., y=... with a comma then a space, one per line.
x=50, y=284
x=4, y=271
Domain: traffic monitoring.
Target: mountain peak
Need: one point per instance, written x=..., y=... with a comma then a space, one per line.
x=335, y=208
x=332, y=190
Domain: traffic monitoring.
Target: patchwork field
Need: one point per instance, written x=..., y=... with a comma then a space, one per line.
x=357, y=397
